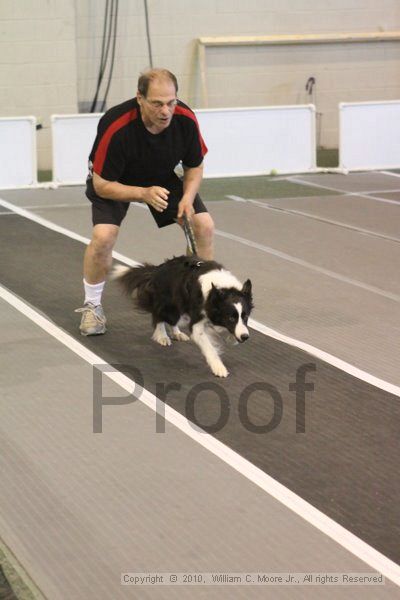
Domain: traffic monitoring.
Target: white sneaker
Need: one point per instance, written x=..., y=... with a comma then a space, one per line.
x=93, y=320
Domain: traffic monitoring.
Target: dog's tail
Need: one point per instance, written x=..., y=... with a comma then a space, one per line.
x=136, y=282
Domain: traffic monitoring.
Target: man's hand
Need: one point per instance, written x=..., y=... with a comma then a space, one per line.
x=156, y=196
x=185, y=207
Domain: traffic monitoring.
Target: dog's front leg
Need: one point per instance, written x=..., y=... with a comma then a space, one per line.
x=177, y=334
x=160, y=335
x=203, y=340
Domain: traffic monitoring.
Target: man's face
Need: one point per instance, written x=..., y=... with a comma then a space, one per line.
x=158, y=107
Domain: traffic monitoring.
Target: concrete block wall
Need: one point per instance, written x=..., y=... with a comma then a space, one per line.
x=38, y=66
x=50, y=54
x=251, y=76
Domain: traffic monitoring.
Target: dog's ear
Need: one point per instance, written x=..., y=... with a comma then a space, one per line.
x=246, y=289
x=217, y=293
x=215, y=290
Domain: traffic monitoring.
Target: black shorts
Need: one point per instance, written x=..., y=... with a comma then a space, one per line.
x=112, y=212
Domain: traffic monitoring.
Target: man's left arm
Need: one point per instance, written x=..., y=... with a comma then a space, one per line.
x=192, y=177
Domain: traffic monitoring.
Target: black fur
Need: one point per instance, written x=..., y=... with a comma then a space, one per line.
x=172, y=289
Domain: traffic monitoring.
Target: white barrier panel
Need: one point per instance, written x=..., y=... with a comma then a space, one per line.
x=369, y=135
x=255, y=141
x=17, y=152
x=73, y=137
x=241, y=141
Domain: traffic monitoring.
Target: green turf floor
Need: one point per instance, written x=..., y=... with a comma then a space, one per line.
x=15, y=583
x=260, y=187
x=256, y=187
x=263, y=186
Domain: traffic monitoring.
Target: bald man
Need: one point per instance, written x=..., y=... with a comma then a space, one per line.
x=138, y=145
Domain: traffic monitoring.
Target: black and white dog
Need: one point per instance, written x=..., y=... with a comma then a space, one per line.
x=202, y=291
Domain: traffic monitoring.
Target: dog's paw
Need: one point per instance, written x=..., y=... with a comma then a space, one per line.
x=163, y=340
x=219, y=369
x=179, y=335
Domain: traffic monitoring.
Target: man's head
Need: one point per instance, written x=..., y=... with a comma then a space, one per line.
x=157, y=98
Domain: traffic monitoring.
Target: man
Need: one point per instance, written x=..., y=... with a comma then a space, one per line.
x=138, y=145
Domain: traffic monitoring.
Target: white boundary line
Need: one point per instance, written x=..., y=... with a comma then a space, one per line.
x=236, y=198
x=310, y=266
x=48, y=206
x=290, y=500
x=298, y=179
x=292, y=211
x=390, y=173
x=313, y=516
x=384, y=200
x=321, y=219
x=61, y=205
x=379, y=191
x=362, y=194
x=23, y=212
x=327, y=358
x=260, y=327
x=27, y=214
x=317, y=185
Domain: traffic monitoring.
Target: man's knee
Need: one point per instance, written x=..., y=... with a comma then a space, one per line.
x=203, y=226
x=104, y=238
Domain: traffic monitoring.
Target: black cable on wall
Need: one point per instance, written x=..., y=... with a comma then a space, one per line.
x=112, y=56
x=103, y=58
x=109, y=33
x=146, y=16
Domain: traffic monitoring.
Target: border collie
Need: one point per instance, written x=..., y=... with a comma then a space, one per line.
x=187, y=287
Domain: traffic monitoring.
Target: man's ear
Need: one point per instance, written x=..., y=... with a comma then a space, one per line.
x=246, y=289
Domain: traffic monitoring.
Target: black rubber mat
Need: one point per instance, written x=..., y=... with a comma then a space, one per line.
x=343, y=458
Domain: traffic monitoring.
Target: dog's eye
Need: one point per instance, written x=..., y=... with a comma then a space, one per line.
x=232, y=319
x=244, y=316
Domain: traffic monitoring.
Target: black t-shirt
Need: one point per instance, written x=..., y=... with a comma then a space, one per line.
x=125, y=151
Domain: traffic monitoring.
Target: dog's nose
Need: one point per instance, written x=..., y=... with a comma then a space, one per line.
x=244, y=337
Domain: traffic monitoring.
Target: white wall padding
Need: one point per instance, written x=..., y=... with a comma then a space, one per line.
x=17, y=152
x=254, y=141
x=241, y=141
x=73, y=137
x=369, y=135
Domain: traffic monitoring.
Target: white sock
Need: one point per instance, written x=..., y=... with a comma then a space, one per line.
x=93, y=292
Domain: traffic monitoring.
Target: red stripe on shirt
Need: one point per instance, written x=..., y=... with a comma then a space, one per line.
x=180, y=110
x=102, y=147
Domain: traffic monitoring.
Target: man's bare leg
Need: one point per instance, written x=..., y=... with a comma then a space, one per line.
x=203, y=227
x=98, y=256
x=97, y=263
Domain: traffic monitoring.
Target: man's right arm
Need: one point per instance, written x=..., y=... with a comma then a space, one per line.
x=155, y=196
